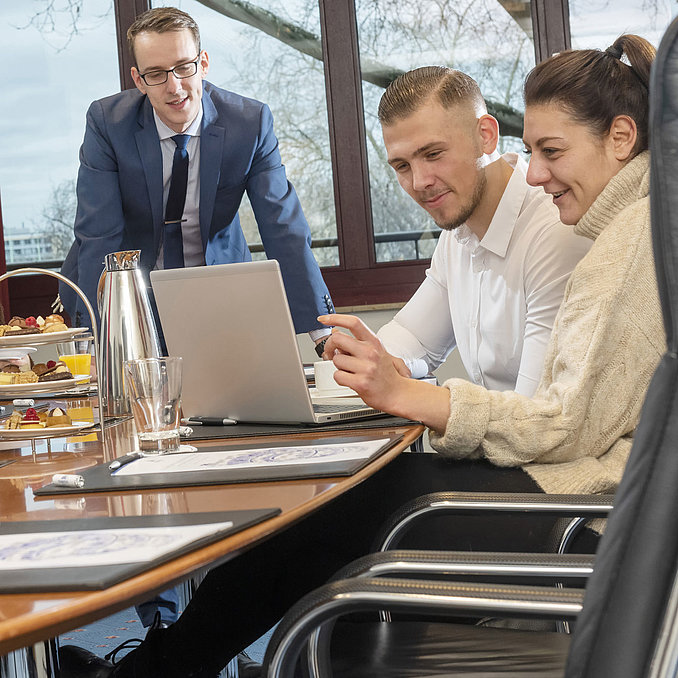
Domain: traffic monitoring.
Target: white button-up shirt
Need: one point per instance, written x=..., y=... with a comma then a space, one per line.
x=495, y=299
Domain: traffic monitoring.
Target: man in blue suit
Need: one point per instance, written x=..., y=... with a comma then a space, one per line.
x=125, y=177
x=126, y=164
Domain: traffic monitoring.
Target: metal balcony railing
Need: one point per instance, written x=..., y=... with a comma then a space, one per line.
x=317, y=243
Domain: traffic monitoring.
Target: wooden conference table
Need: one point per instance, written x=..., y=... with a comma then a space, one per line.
x=26, y=619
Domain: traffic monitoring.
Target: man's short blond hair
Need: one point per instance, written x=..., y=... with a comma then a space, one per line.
x=409, y=91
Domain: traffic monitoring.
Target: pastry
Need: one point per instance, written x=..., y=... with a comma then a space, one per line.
x=28, y=377
x=14, y=420
x=57, y=375
x=55, y=327
x=17, y=321
x=31, y=419
x=53, y=318
x=49, y=366
x=11, y=368
x=57, y=417
x=15, y=330
x=40, y=369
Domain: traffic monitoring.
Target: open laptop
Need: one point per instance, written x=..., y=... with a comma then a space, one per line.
x=232, y=326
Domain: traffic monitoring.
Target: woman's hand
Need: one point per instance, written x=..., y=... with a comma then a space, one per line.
x=379, y=378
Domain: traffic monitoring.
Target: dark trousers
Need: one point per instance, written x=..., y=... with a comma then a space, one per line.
x=241, y=599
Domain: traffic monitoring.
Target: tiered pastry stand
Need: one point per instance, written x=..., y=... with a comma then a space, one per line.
x=93, y=325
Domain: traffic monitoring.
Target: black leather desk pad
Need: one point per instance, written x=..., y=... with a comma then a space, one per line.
x=99, y=478
x=92, y=578
x=249, y=430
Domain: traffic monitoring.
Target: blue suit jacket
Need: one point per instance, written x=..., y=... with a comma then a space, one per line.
x=120, y=196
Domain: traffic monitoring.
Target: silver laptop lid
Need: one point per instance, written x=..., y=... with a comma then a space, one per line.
x=233, y=328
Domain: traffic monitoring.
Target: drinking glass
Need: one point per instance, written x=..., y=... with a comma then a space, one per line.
x=76, y=354
x=153, y=386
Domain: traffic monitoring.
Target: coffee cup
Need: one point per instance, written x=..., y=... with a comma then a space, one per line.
x=324, y=380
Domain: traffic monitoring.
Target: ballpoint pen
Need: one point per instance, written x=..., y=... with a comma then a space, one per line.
x=208, y=421
x=118, y=463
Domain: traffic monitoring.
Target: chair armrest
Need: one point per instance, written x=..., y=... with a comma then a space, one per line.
x=324, y=605
x=403, y=563
x=460, y=503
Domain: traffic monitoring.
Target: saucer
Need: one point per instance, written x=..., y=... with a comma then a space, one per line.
x=338, y=392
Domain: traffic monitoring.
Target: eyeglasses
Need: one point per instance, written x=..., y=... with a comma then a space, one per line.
x=159, y=77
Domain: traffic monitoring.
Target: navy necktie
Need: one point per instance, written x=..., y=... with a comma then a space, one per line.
x=173, y=244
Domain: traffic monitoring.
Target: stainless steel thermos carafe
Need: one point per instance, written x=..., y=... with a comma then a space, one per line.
x=127, y=327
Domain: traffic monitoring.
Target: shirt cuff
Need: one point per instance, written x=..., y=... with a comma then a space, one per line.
x=319, y=334
x=418, y=367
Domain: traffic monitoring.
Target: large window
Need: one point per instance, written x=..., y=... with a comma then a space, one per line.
x=59, y=56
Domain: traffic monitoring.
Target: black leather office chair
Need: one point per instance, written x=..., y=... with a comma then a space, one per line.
x=626, y=621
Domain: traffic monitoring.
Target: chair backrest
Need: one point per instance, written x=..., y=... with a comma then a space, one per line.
x=626, y=597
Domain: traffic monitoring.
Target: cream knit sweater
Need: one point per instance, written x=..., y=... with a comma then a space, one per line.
x=574, y=435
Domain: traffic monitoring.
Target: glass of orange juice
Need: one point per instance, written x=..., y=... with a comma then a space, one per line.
x=77, y=355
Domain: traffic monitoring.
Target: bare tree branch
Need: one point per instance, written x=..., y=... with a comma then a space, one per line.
x=510, y=120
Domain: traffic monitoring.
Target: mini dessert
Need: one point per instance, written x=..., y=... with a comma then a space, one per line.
x=28, y=377
x=53, y=318
x=54, y=327
x=11, y=368
x=57, y=417
x=40, y=369
x=46, y=368
x=57, y=375
x=17, y=321
x=14, y=420
x=16, y=330
x=31, y=419
x=55, y=371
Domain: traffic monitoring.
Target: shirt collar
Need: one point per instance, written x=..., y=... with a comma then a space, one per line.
x=498, y=235
x=164, y=132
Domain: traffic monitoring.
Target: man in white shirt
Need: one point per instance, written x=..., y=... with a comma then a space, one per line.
x=498, y=273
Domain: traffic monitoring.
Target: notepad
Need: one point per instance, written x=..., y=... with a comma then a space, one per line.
x=261, y=457
x=85, y=554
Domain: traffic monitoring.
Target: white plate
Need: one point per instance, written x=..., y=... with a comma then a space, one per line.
x=43, y=338
x=43, y=386
x=47, y=432
x=16, y=353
